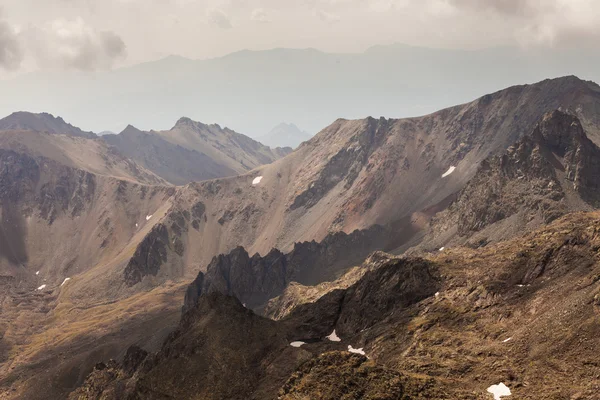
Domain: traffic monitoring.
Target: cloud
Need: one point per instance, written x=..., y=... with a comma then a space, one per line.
x=218, y=18
x=73, y=44
x=546, y=23
x=11, y=53
x=260, y=15
x=327, y=17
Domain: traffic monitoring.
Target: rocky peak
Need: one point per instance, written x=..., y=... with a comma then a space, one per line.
x=560, y=131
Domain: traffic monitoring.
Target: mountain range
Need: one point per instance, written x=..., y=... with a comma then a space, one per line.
x=167, y=250
x=307, y=86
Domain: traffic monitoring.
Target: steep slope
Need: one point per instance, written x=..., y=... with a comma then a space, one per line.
x=192, y=151
x=44, y=122
x=284, y=135
x=550, y=172
x=357, y=174
x=61, y=221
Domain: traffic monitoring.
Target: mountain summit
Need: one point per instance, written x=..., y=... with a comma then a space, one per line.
x=43, y=122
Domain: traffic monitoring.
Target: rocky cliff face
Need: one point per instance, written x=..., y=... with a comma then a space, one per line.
x=552, y=171
x=254, y=280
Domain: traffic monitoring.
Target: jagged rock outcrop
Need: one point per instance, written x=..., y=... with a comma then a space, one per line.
x=221, y=349
x=254, y=280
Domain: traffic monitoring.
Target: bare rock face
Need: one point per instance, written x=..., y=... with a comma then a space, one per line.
x=254, y=280
x=552, y=171
x=149, y=256
x=396, y=284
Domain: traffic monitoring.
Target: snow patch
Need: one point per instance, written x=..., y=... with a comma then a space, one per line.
x=334, y=337
x=450, y=170
x=65, y=281
x=507, y=340
x=257, y=180
x=37, y=273
x=148, y=217
x=499, y=390
x=42, y=287
x=442, y=248
x=136, y=225
x=356, y=351
x=437, y=294
x=297, y=344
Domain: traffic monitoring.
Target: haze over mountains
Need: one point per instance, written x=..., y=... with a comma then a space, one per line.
x=100, y=251
x=285, y=135
x=309, y=87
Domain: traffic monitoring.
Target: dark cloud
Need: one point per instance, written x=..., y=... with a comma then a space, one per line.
x=11, y=54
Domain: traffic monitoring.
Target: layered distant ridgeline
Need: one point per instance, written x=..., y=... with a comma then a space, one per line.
x=252, y=91
x=131, y=246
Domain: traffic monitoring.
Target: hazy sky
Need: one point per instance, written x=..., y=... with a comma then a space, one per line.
x=100, y=34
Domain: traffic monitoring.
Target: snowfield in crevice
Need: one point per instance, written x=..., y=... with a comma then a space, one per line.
x=65, y=281
x=450, y=170
x=499, y=390
x=297, y=344
x=42, y=287
x=334, y=337
x=148, y=217
x=257, y=180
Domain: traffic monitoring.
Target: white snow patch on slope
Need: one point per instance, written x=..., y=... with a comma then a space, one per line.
x=442, y=248
x=507, y=340
x=42, y=287
x=297, y=344
x=148, y=217
x=357, y=351
x=65, y=281
x=37, y=273
x=257, y=180
x=334, y=337
x=499, y=390
x=450, y=170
